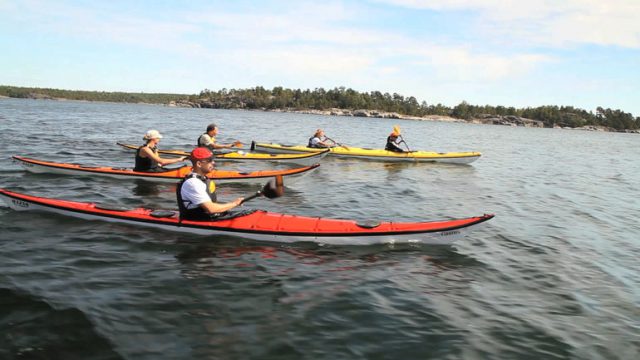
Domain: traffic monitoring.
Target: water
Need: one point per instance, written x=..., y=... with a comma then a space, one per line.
x=554, y=275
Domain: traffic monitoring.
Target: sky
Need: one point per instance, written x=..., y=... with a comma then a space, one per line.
x=520, y=53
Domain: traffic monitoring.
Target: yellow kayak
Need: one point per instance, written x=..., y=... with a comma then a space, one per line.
x=305, y=159
x=372, y=154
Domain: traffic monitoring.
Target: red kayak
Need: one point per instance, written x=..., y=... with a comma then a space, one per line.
x=260, y=225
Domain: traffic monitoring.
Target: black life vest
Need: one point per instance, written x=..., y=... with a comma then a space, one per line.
x=392, y=146
x=145, y=164
x=312, y=145
x=197, y=213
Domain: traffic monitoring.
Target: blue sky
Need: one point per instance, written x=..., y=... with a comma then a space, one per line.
x=584, y=53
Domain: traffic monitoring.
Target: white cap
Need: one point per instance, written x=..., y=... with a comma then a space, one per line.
x=152, y=134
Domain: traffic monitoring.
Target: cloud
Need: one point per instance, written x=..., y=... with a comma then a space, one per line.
x=549, y=22
x=308, y=42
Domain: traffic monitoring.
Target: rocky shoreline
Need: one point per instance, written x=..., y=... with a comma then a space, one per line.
x=507, y=120
x=487, y=119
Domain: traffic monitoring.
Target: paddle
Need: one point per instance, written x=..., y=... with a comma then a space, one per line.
x=337, y=143
x=405, y=143
x=272, y=189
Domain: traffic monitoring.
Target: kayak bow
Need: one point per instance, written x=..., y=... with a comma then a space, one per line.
x=260, y=225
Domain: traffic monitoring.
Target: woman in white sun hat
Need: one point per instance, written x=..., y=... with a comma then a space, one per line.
x=147, y=158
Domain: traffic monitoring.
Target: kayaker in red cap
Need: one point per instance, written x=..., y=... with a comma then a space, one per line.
x=147, y=158
x=208, y=139
x=196, y=193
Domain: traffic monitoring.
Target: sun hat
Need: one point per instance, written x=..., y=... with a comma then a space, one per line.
x=201, y=153
x=152, y=134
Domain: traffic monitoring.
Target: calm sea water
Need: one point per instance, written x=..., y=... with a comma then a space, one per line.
x=554, y=275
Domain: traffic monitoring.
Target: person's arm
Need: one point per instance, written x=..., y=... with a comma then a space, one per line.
x=236, y=144
x=220, y=146
x=333, y=143
x=213, y=208
x=396, y=147
x=161, y=161
x=194, y=191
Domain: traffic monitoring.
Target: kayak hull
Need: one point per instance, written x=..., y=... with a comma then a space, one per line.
x=374, y=154
x=262, y=225
x=302, y=159
x=172, y=176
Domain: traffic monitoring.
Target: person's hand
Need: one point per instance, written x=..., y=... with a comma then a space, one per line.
x=238, y=201
x=237, y=144
x=184, y=158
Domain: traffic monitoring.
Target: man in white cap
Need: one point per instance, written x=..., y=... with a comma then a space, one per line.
x=147, y=158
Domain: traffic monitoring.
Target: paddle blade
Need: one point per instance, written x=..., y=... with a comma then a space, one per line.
x=274, y=188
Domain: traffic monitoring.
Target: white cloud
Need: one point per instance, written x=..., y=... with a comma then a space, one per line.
x=550, y=22
x=313, y=43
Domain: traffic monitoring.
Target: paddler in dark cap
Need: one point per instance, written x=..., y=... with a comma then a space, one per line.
x=208, y=139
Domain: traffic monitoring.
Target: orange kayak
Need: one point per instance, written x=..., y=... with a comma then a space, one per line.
x=253, y=177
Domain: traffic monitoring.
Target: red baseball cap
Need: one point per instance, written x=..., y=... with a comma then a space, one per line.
x=201, y=153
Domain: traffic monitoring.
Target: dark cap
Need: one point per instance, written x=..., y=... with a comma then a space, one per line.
x=211, y=127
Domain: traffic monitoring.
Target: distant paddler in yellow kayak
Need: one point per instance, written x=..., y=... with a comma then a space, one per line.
x=394, y=140
x=320, y=141
x=392, y=152
x=147, y=158
x=208, y=140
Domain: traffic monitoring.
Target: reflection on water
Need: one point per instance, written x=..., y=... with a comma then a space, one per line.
x=204, y=257
x=146, y=188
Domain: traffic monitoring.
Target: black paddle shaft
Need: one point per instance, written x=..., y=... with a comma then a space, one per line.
x=405, y=143
x=272, y=189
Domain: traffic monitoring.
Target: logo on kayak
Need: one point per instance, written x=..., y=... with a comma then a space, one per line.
x=20, y=203
x=450, y=233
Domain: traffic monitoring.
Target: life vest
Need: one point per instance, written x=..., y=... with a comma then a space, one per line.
x=200, y=141
x=145, y=164
x=197, y=213
x=392, y=146
x=312, y=145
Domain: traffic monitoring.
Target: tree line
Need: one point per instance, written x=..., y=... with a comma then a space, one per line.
x=45, y=93
x=344, y=98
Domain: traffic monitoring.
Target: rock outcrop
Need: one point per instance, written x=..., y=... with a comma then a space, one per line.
x=508, y=120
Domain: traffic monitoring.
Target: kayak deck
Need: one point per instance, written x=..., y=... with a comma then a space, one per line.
x=307, y=158
x=374, y=154
x=262, y=225
x=41, y=166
